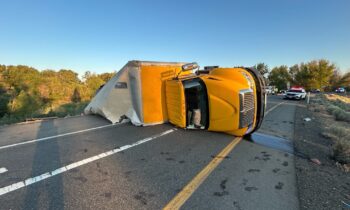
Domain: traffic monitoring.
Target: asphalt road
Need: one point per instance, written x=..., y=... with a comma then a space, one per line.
x=62, y=168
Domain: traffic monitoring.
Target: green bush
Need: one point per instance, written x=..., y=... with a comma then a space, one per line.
x=341, y=151
x=4, y=100
x=332, y=108
x=70, y=109
x=342, y=105
x=342, y=116
x=339, y=113
x=339, y=132
x=9, y=119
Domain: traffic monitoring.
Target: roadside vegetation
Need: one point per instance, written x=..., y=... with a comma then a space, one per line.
x=26, y=93
x=337, y=128
x=317, y=74
x=322, y=143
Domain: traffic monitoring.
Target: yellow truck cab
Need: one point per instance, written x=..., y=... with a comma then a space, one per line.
x=230, y=100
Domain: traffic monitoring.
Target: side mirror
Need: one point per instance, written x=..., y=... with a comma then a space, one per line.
x=190, y=66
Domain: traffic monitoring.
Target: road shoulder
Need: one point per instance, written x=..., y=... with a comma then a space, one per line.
x=324, y=185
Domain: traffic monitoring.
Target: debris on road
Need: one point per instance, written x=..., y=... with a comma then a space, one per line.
x=347, y=205
x=316, y=161
x=343, y=167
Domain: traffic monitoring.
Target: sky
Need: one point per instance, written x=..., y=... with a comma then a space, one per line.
x=101, y=36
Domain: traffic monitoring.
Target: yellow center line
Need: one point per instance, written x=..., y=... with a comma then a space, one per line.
x=191, y=187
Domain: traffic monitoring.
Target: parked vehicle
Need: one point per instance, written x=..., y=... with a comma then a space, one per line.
x=340, y=90
x=295, y=93
x=283, y=92
x=270, y=90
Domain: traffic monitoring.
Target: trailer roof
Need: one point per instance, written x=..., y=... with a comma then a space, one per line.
x=149, y=63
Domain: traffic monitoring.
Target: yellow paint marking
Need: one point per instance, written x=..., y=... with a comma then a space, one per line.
x=189, y=189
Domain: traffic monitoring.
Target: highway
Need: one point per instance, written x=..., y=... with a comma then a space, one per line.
x=87, y=163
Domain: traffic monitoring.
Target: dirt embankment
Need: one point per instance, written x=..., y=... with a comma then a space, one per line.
x=322, y=151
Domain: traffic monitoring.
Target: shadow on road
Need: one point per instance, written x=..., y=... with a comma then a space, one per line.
x=47, y=194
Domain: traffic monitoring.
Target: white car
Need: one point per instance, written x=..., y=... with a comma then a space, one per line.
x=340, y=90
x=295, y=93
x=270, y=90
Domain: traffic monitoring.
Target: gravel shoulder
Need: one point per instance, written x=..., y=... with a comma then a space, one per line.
x=324, y=185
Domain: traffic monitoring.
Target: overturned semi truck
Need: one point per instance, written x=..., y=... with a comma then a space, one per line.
x=230, y=100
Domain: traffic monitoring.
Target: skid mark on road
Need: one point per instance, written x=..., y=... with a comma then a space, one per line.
x=192, y=186
x=41, y=177
x=56, y=136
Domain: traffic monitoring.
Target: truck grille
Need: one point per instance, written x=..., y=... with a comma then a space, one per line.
x=246, y=102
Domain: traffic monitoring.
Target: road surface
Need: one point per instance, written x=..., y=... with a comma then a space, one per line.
x=86, y=163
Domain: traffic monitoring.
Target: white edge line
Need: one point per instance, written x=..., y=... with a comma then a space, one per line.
x=56, y=136
x=274, y=107
x=47, y=175
x=3, y=170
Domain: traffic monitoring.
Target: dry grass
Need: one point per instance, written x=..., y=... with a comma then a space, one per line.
x=334, y=97
x=341, y=151
x=339, y=133
x=341, y=147
x=339, y=113
x=339, y=109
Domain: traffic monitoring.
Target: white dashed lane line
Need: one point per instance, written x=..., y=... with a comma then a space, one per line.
x=3, y=170
x=56, y=136
x=274, y=107
x=46, y=175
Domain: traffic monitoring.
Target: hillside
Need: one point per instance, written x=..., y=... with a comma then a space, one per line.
x=26, y=92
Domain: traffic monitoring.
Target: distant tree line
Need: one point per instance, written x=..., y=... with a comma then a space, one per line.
x=317, y=74
x=26, y=92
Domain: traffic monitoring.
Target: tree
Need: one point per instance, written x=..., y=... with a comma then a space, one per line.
x=106, y=76
x=76, y=96
x=315, y=74
x=4, y=100
x=345, y=80
x=303, y=77
x=25, y=91
x=262, y=68
x=293, y=71
x=279, y=76
x=68, y=76
x=321, y=71
x=93, y=82
x=339, y=80
x=25, y=104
